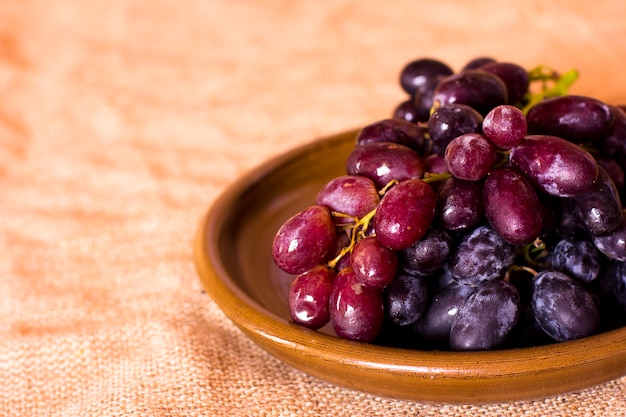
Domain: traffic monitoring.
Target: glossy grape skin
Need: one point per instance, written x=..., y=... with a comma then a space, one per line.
x=407, y=111
x=599, y=212
x=486, y=317
x=416, y=74
x=309, y=295
x=385, y=161
x=405, y=299
x=404, y=214
x=614, y=142
x=397, y=131
x=577, y=257
x=562, y=306
x=555, y=165
x=435, y=324
x=505, y=126
x=512, y=206
x=303, y=240
x=480, y=256
x=613, y=246
x=449, y=121
x=478, y=89
x=514, y=77
x=578, y=119
x=373, y=264
x=428, y=255
x=356, y=310
x=470, y=156
x=460, y=204
x=423, y=99
x=353, y=195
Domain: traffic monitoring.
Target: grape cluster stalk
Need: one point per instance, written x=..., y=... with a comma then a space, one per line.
x=485, y=213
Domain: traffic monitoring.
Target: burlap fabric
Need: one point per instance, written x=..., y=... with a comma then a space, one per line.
x=120, y=122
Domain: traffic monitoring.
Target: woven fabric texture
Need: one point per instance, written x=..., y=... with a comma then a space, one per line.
x=121, y=122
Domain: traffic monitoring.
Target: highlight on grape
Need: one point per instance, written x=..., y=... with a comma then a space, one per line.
x=485, y=213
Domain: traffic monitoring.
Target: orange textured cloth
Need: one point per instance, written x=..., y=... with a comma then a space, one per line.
x=121, y=122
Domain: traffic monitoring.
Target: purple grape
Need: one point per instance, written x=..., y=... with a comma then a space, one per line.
x=478, y=62
x=478, y=89
x=470, y=156
x=481, y=255
x=404, y=214
x=428, y=255
x=613, y=246
x=599, y=212
x=436, y=164
x=423, y=99
x=577, y=257
x=353, y=195
x=396, y=131
x=407, y=111
x=416, y=74
x=514, y=77
x=614, y=142
x=460, y=204
x=356, y=310
x=435, y=324
x=449, y=121
x=613, y=281
x=406, y=299
x=308, y=297
x=512, y=206
x=562, y=306
x=505, y=126
x=486, y=317
x=383, y=162
x=612, y=168
x=575, y=118
x=303, y=240
x=555, y=165
x=373, y=264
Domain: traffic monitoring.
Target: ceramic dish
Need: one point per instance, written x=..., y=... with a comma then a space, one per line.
x=233, y=260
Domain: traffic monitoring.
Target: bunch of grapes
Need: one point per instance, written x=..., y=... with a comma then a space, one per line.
x=485, y=213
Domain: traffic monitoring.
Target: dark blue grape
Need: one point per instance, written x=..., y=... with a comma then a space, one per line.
x=452, y=120
x=481, y=255
x=486, y=318
x=613, y=246
x=406, y=299
x=428, y=255
x=578, y=258
x=460, y=204
x=478, y=89
x=397, y=131
x=416, y=74
x=562, y=306
x=514, y=77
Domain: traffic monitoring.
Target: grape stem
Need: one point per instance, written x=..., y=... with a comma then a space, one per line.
x=357, y=233
x=552, y=85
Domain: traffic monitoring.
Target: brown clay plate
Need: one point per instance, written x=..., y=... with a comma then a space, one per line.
x=234, y=263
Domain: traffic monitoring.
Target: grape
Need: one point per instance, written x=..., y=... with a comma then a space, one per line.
x=436, y=164
x=383, y=162
x=486, y=317
x=406, y=299
x=428, y=255
x=470, y=156
x=460, y=203
x=478, y=89
x=449, y=121
x=396, y=131
x=514, y=77
x=373, y=264
x=599, y=212
x=612, y=168
x=423, y=99
x=577, y=257
x=562, y=306
x=505, y=126
x=303, y=240
x=356, y=310
x=614, y=142
x=614, y=244
x=614, y=282
x=405, y=213
x=478, y=62
x=512, y=206
x=434, y=325
x=417, y=73
x=555, y=165
x=353, y=195
x=308, y=297
x=408, y=111
x=481, y=255
x=575, y=118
